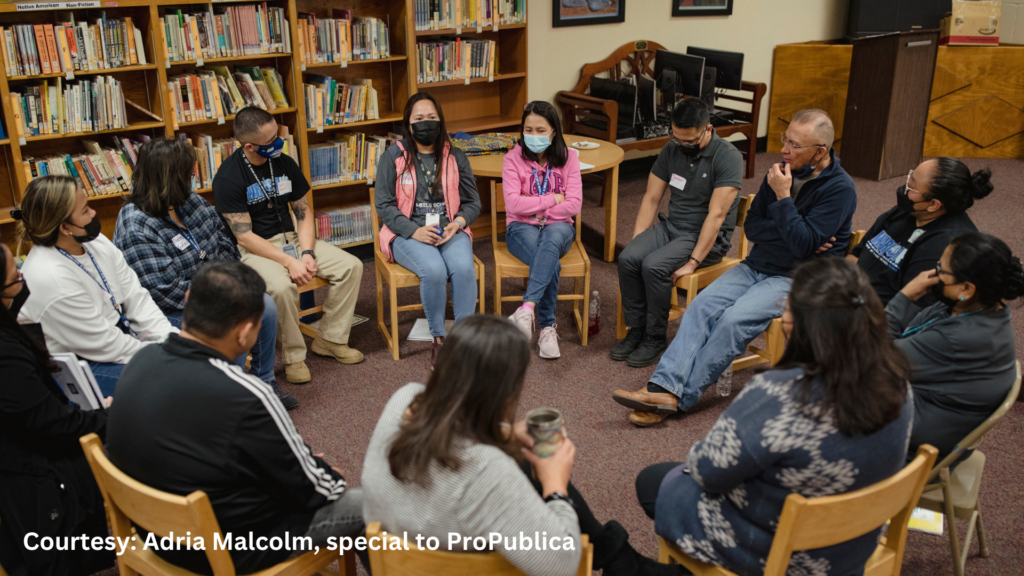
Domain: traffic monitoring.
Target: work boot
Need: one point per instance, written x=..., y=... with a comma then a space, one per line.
x=340, y=352
x=648, y=353
x=628, y=345
x=297, y=373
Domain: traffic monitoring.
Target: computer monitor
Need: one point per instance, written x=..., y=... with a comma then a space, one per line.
x=728, y=64
x=624, y=94
x=689, y=73
x=646, y=99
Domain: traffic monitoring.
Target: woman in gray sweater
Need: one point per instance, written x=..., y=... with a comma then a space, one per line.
x=961, y=349
x=442, y=466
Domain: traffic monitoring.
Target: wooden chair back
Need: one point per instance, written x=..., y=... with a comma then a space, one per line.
x=741, y=220
x=637, y=57
x=417, y=561
x=498, y=207
x=810, y=523
x=158, y=512
x=375, y=220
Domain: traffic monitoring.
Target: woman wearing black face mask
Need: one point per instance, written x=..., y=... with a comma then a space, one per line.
x=86, y=297
x=930, y=210
x=45, y=480
x=961, y=349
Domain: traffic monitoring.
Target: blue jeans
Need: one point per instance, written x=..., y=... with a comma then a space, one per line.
x=263, y=355
x=106, y=374
x=436, y=266
x=720, y=323
x=541, y=247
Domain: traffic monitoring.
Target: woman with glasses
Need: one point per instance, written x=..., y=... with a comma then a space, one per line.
x=930, y=210
x=961, y=348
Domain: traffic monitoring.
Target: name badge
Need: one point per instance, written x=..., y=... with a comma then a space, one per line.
x=433, y=219
x=180, y=243
x=678, y=182
x=284, y=186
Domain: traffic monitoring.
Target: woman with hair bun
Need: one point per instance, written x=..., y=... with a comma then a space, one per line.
x=930, y=210
x=962, y=348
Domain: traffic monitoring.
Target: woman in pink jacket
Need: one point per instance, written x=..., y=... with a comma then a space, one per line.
x=543, y=191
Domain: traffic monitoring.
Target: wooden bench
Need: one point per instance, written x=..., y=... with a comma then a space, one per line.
x=635, y=59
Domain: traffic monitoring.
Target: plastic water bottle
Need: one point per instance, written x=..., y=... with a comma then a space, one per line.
x=595, y=314
x=725, y=382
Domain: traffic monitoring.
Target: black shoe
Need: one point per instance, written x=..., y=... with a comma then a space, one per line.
x=287, y=400
x=627, y=345
x=629, y=562
x=648, y=353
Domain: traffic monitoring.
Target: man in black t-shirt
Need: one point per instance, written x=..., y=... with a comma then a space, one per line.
x=252, y=190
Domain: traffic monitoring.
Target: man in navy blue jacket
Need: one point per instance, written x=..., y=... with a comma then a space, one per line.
x=802, y=210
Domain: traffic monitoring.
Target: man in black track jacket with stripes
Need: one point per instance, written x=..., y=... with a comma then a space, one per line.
x=187, y=419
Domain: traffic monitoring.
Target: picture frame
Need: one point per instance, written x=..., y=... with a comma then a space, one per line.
x=579, y=13
x=702, y=7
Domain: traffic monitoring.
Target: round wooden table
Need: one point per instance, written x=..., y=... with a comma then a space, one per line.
x=605, y=158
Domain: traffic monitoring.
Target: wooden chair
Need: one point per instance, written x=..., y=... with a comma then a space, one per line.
x=810, y=523
x=309, y=287
x=131, y=502
x=421, y=562
x=638, y=59
x=397, y=276
x=956, y=493
x=575, y=265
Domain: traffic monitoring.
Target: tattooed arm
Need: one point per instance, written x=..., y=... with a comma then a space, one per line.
x=304, y=224
x=240, y=224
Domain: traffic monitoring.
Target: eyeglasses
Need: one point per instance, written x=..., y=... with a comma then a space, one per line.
x=909, y=189
x=20, y=279
x=786, y=141
x=940, y=270
x=682, y=142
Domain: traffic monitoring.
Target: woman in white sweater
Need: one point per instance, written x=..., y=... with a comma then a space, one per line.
x=86, y=297
x=442, y=466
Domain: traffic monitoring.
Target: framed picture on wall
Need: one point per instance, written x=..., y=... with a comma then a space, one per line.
x=701, y=7
x=587, y=12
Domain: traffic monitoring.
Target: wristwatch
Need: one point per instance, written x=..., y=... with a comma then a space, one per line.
x=310, y=252
x=554, y=496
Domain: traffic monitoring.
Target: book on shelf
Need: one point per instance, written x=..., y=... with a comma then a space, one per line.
x=225, y=31
x=448, y=14
x=350, y=156
x=72, y=107
x=329, y=102
x=342, y=226
x=101, y=170
x=342, y=38
x=219, y=92
x=71, y=46
x=455, y=59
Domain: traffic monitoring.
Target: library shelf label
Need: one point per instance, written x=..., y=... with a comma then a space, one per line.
x=56, y=6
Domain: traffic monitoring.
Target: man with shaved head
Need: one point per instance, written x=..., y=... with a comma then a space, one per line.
x=803, y=210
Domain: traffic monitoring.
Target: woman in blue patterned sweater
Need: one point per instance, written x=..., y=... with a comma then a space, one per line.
x=833, y=416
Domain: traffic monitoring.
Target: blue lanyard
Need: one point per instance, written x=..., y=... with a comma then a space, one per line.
x=917, y=329
x=188, y=236
x=542, y=189
x=126, y=326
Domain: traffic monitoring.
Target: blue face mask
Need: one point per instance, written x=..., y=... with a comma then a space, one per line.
x=537, y=144
x=272, y=150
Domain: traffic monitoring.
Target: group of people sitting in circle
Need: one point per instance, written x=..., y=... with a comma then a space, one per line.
x=905, y=340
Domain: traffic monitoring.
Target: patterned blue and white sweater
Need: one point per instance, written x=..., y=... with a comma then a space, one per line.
x=764, y=447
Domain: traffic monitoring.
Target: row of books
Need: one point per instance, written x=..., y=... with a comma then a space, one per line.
x=342, y=226
x=329, y=102
x=343, y=38
x=69, y=107
x=448, y=14
x=230, y=31
x=351, y=156
x=69, y=46
x=456, y=59
x=210, y=152
x=100, y=170
x=218, y=92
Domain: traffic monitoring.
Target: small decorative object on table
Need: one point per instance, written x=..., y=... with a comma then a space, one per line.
x=584, y=145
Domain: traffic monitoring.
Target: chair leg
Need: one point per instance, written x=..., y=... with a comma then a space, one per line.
x=664, y=555
x=394, y=319
x=982, y=542
x=347, y=565
x=497, y=290
x=954, y=535
x=480, y=275
x=585, y=332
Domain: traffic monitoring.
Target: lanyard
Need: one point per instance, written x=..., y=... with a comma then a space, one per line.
x=429, y=176
x=917, y=329
x=188, y=236
x=541, y=189
x=124, y=325
x=271, y=203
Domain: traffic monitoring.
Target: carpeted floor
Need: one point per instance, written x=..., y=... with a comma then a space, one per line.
x=339, y=408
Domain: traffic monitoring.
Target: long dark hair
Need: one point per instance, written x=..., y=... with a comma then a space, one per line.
x=840, y=339
x=9, y=324
x=988, y=263
x=475, y=386
x=558, y=153
x=163, y=176
x=439, y=143
x=955, y=186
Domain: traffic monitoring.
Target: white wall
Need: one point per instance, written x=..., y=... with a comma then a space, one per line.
x=755, y=28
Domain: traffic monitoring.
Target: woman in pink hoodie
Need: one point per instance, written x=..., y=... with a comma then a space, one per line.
x=543, y=191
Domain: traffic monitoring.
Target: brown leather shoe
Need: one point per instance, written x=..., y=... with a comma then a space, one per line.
x=340, y=352
x=644, y=401
x=645, y=419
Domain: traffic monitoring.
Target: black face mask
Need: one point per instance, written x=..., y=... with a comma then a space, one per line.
x=938, y=290
x=20, y=299
x=426, y=131
x=903, y=199
x=92, y=231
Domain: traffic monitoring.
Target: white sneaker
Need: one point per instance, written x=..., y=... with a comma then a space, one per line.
x=523, y=319
x=548, y=343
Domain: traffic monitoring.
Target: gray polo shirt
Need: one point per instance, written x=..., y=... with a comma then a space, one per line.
x=692, y=180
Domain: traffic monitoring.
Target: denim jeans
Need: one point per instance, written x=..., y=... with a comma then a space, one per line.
x=436, y=266
x=263, y=354
x=722, y=320
x=106, y=374
x=541, y=247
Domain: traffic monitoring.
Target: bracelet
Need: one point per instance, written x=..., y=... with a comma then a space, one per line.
x=461, y=227
x=695, y=260
x=555, y=496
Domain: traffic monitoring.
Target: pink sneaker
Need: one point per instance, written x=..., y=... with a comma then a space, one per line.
x=548, y=343
x=523, y=319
